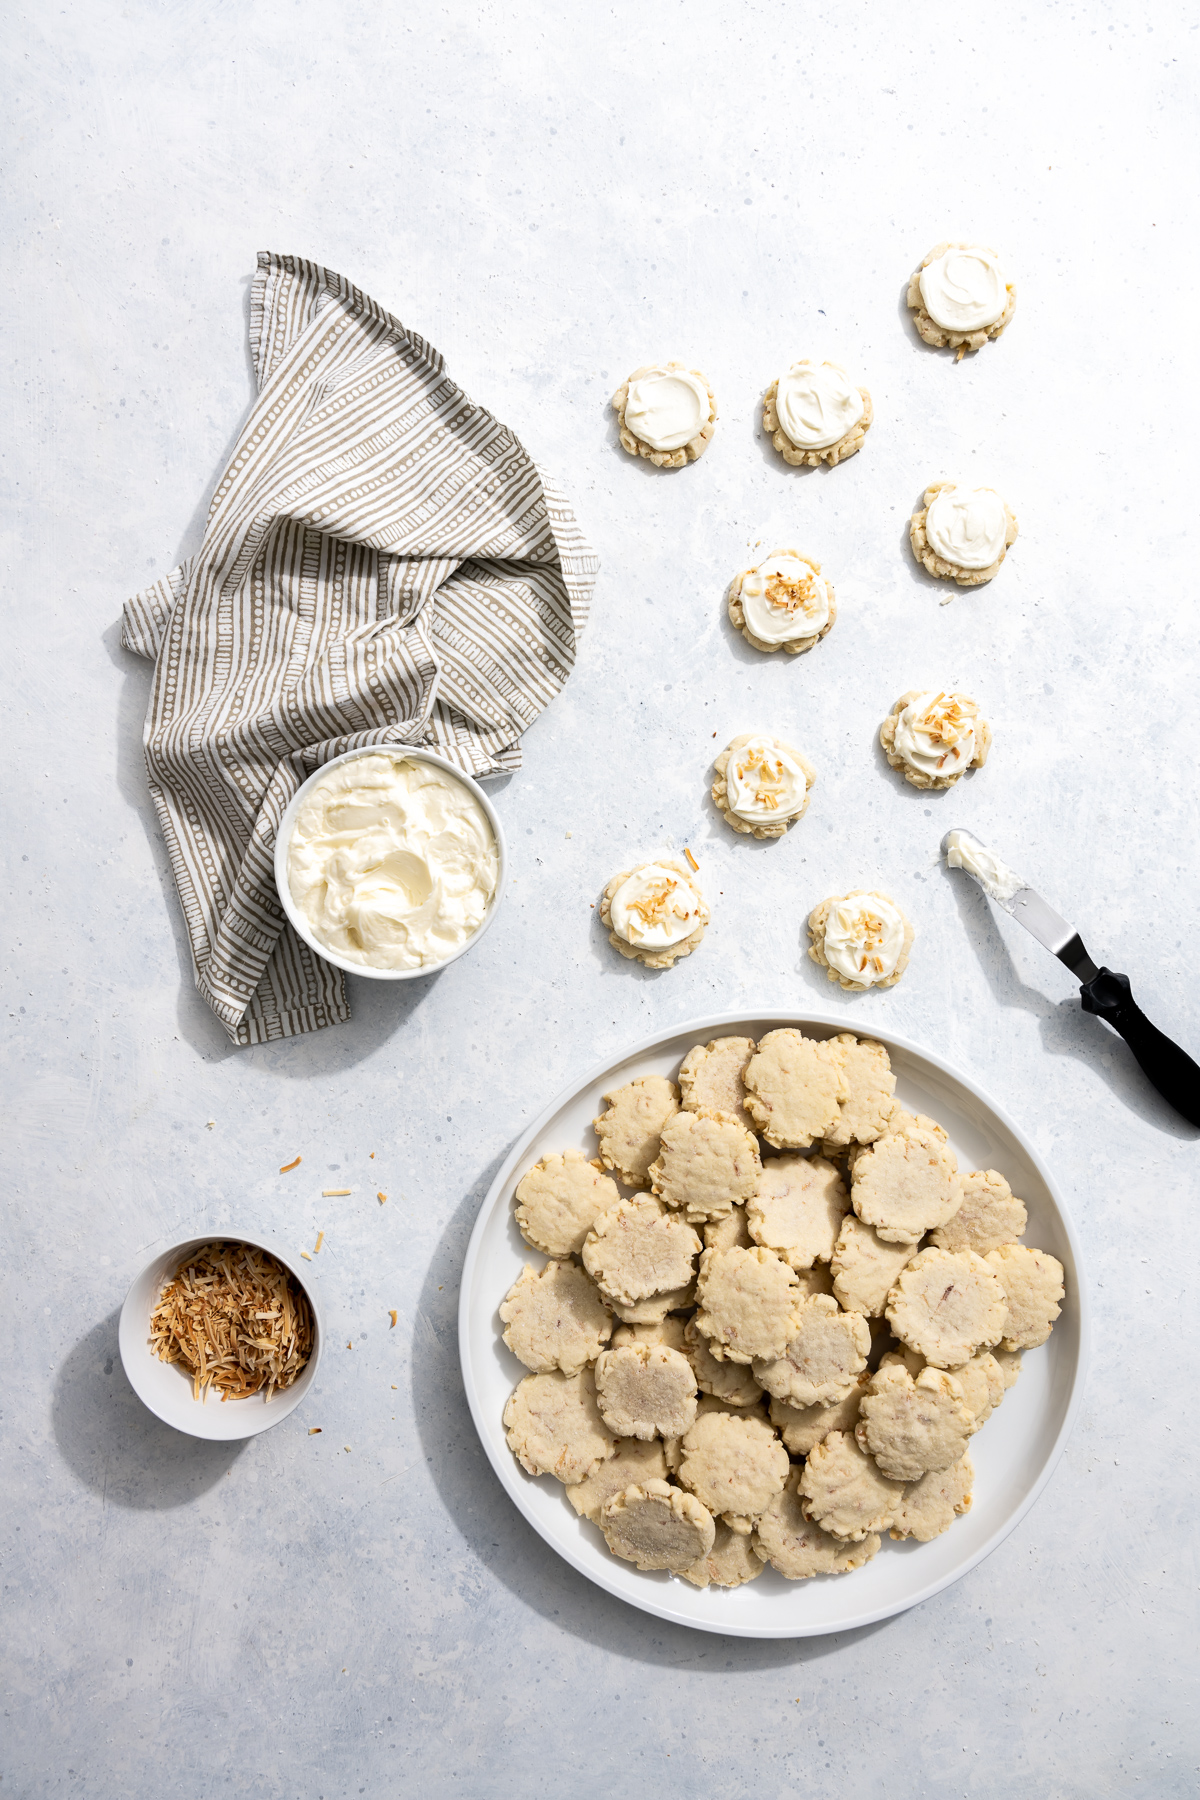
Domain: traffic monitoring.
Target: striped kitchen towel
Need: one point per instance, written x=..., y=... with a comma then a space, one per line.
x=382, y=563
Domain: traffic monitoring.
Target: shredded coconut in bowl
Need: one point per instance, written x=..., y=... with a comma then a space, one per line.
x=236, y=1319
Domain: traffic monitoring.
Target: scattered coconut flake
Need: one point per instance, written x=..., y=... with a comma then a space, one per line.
x=392, y=1315
x=314, y=1431
x=690, y=857
x=292, y=1165
x=319, y=1242
x=335, y=1193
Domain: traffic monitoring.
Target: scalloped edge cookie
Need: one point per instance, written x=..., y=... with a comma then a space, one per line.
x=720, y=788
x=690, y=452
x=794, y=646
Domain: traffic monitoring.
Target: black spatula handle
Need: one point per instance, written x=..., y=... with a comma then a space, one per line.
x=1170, y=1069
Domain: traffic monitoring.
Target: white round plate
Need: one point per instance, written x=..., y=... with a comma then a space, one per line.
x=1013, y=1455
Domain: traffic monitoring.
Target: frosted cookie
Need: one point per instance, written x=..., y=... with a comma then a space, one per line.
x=645, y=1391
x=864, y=1267
x=845, y=1492
x=801, y=1427
x=639, y=1251
x=728, y=1381
x=668, y=1331
x=912, y=1427
x=657, y=1527
x=745, y=1304
x=797, y=1208
x=666, y=413
x=558, y=1201
x=554, y=1318
x=1009, y=1362
x=962, y=534
x=785, y=603
x=729, y=1563
x=1033, y=1286
x=947, y=1305
x=762, y=785
x=795, y=1087
x=983, y=1386
x=634, y=1462
x=932, y=739
x=729, y=1233
x=733, y=1465
x=815, y=414
x=823, y=1357
x=707, y=1164
x=798, y=1548
x=861, y=939
x=990, y=1215
x=710, y=1076
x=930, y=1506
x=655, y=913
x=905, y=1184
x=630, y=1129
x=863, y=1114
x=554, y=1426
x=959, y=298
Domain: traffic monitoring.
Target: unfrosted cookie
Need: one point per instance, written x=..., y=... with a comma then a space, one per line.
x=864, y=1113
x=861, y=939
x=762, y=785
x=645, y=1391
x=733, y=1464
x=729, y=1563
x=990, y=1215
x=795, y=1087
x=814, y=413
x=799, y=1548
x=707, y=1164
x=983, y=1385
x=710, y=1075
x=1032, y=1282
x=666, y=412
x=946, y=1305
x=554, y=1318
x=797, y=1208
x=912, y=1427
x=826, y=1351
x=729, y=1381
x=728, y=1233
x=962, y=534
x=933, y=739
x=905, y=1184
x=554, y=1426
x=639, y=1251
x=785, y=603
x=803, y=1426
x=655, y=913
x=930, y=1506
x=959, y=297
x=864, y=1266
x=634, y=1462
x=844, y=1490
x=668, y=1331
x=657, y=1527
x=745, y=1303
x=558, y=1201
x=900, y=1119
x=1009, y=1363
x=630, y=1129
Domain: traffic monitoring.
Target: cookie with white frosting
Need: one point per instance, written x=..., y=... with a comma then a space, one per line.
x=814, y=413
x=962, y=533
x=784, y=603
x=655, y=913
x=933, y=739
x=861, y=939
x=667, y=414
x=960, y=297
x=762, y=785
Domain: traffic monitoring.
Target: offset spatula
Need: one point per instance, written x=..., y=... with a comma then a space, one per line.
x=1101, y=991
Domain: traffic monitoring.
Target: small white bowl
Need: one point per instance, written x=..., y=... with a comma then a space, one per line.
x=401, y=753
x=166, y=1388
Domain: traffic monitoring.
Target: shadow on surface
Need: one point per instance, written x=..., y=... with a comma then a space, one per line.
x=115, y=1445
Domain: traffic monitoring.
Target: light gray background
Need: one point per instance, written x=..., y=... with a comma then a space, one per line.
x=553, y=195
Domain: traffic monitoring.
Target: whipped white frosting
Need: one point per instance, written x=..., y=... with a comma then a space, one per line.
x=666, y=408
x=964, y=290
x=966, y=526
x=935, y=733
x=392, y=861
x=763, y=782
x=864, y=937
x=817, y=404
x=995, y=877
x=654, y=907
x=784, y=598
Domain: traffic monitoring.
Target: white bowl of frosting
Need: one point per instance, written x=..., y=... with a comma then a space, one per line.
x=390, y=862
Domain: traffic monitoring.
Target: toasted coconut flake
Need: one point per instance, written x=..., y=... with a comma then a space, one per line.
x=382, y=1198
x=314, y=1431
x=392, y=1316
x=237, y=1321
x=306, y=1256
x=288, y=1167
x=319, y=1242
x=335, y=1193
x=691, y=858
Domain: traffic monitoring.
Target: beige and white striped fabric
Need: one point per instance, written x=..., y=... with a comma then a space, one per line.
x=382, y=563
